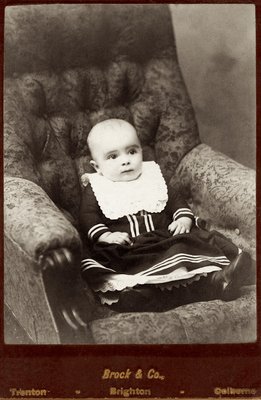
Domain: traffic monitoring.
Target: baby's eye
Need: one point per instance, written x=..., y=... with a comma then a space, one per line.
x=133, y=151
x=112, y=157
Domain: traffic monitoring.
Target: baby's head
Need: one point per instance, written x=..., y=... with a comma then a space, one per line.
x=115, y=149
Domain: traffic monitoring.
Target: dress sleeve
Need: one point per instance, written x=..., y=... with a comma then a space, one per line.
x=91, y=217
x=177, y=206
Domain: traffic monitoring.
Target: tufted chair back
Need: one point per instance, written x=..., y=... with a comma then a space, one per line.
x=68, y=67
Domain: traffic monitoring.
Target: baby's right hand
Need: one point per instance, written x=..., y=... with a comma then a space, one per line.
x=115, y=237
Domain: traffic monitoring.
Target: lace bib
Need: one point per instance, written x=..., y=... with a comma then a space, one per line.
x=117, y=199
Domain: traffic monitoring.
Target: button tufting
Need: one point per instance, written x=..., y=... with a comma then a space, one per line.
x=237, y=231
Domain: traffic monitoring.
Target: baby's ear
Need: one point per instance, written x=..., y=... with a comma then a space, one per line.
x=94, y=165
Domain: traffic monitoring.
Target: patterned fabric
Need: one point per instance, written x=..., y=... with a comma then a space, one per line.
x=35, y=222
x=222, y=192
x=205, y=322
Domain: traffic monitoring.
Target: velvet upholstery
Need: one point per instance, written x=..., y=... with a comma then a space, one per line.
x=101, y=65
x=222, y=192
x=207, y=322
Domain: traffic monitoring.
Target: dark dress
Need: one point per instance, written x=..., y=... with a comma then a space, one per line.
x=155, y=254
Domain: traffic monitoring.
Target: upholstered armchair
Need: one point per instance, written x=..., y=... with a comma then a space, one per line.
x=66, y=68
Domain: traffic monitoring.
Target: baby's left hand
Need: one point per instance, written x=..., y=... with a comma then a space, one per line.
x=181, y=225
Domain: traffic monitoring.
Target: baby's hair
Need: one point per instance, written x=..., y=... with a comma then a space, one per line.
x=103, y=127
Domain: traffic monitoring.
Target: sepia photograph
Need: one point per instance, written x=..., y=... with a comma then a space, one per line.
x=129, y=174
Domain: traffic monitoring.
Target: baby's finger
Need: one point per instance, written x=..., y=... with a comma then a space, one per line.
x=118, y=239
x=128, y=240
x=121, y=241
x=125, y=237
x=182, y=229
x=172, y=227
x=178, y=230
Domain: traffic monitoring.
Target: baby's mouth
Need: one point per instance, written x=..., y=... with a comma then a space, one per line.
x=127, y=170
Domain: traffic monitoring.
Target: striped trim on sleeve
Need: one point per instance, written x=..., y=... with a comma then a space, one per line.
x=183, y=212
x=97, y=230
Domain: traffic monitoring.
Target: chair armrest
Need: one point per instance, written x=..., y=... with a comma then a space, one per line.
x=34, y=222
x=220, y=190
x=62, y=304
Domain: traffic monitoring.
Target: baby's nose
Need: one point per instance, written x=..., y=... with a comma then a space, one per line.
x=125, y=161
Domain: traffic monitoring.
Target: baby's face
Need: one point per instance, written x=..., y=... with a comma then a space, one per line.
x=118, y=155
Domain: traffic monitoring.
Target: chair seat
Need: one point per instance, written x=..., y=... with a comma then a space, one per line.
x=203, y=322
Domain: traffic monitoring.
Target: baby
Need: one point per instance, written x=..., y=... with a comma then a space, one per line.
x=146, y=250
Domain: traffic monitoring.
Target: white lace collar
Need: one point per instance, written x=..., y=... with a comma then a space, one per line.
x=116, y=199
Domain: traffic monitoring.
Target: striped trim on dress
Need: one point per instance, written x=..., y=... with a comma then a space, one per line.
x=134, y=225
x=89, y=263
x=182, y=257
x=182, y=212
x=148, y=221
x=97, y=229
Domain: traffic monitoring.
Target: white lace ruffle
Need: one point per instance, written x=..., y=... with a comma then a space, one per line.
x=112, y=297
x=109, y=291
x=118, y=282
x=117, y=199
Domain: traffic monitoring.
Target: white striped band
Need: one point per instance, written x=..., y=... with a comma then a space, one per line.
x=196, y=222
x=131, y=226
x=134, y=225
x=95, y=229
x=182, y=211
x=89, y=263
x=146, y=222
x=192, y=257
x=151, y=222
x=174, y=260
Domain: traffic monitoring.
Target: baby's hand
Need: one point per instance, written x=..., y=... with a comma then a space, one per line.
x=115, y=237
x=182, y=225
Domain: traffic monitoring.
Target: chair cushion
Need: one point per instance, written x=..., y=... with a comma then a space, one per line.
x=204, y=322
